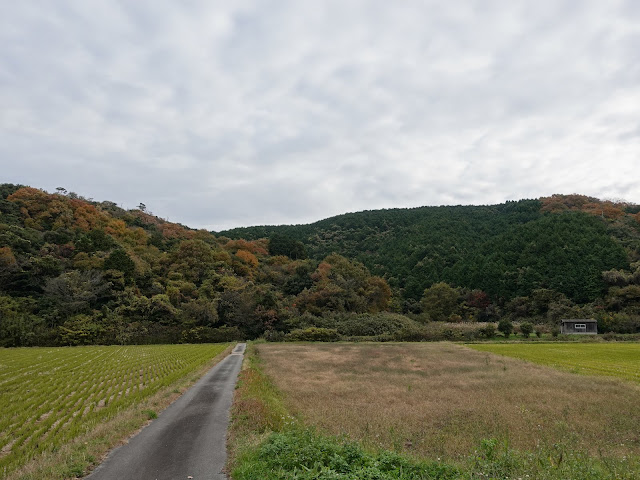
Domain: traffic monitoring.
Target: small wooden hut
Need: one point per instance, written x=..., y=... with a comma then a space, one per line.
x=579, y=326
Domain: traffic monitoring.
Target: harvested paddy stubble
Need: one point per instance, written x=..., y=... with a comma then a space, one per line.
x=62, y=408
x=441, y=400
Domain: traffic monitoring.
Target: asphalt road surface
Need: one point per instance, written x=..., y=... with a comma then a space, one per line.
x=188, y=439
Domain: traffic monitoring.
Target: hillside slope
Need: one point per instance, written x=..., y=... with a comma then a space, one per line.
x=73, y=271
x=561, y=242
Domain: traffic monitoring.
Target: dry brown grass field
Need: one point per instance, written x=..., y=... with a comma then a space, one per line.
x=440, y=399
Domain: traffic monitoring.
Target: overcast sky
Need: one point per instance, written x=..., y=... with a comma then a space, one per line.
x=236, y=113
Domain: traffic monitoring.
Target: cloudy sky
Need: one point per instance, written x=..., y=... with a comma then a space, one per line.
x=234, y=113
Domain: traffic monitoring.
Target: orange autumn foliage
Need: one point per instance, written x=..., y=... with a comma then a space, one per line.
x=116, y=228
x=7, y=258
x=87, y=217
x=321, y=275
x=248, y=258
x=44, y=211
x=173, y=231
x=605, y=208
x=257, y=247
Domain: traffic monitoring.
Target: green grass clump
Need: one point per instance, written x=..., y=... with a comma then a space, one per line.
x=150, y=414
x=495, y=460
x=620, y=360
x=302, y=454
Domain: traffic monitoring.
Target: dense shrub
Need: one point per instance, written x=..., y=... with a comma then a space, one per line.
x=274, y=336
x=619, y=323
x=313, y=334
x=212, y=335
x=372, y=324
x=488, y=331
x=411, y=333
x=505, y=327
x=439, y=331
x=526, y=329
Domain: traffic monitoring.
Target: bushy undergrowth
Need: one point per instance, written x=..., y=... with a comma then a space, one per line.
x=302, y=454
x=620, y=337
x=393, y=327
x=313, y=334
x=385, y=327
x=373, y=324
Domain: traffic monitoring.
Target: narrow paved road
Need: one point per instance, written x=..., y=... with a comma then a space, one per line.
x=188, y=439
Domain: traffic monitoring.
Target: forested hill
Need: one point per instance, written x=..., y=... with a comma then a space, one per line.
x=74, y=271
x=563, y=243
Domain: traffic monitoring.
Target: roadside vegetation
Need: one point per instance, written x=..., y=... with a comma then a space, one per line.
x=63, y=408
x=472, y=414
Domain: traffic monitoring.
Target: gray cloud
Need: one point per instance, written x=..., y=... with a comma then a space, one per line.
x=220, y=114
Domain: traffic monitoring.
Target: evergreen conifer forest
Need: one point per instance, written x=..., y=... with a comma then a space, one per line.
x=74, y=271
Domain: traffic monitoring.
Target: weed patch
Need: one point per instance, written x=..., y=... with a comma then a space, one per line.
x=303, y=454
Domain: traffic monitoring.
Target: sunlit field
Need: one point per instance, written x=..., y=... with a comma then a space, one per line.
x=51, y=397
x=612, y=359
x=441, y=400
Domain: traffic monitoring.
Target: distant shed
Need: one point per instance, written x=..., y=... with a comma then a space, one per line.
x=587, y=326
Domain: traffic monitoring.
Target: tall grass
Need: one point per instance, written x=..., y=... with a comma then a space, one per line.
x=486, y=415
x=267, y=443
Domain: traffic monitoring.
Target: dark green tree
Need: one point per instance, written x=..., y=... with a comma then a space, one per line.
x=505, y=327
x=120, y=260
x=526, y=329
x=440, y=301
x=284, y=245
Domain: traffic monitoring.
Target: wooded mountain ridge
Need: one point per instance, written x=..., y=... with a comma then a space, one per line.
x=562, y=242
x=74, y=271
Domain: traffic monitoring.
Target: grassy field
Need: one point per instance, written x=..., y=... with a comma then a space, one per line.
x=620, y=360
x=63, y=407
x=448, y=403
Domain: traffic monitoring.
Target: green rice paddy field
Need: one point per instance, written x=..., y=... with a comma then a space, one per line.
x=620, y=360
x=51, y=397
